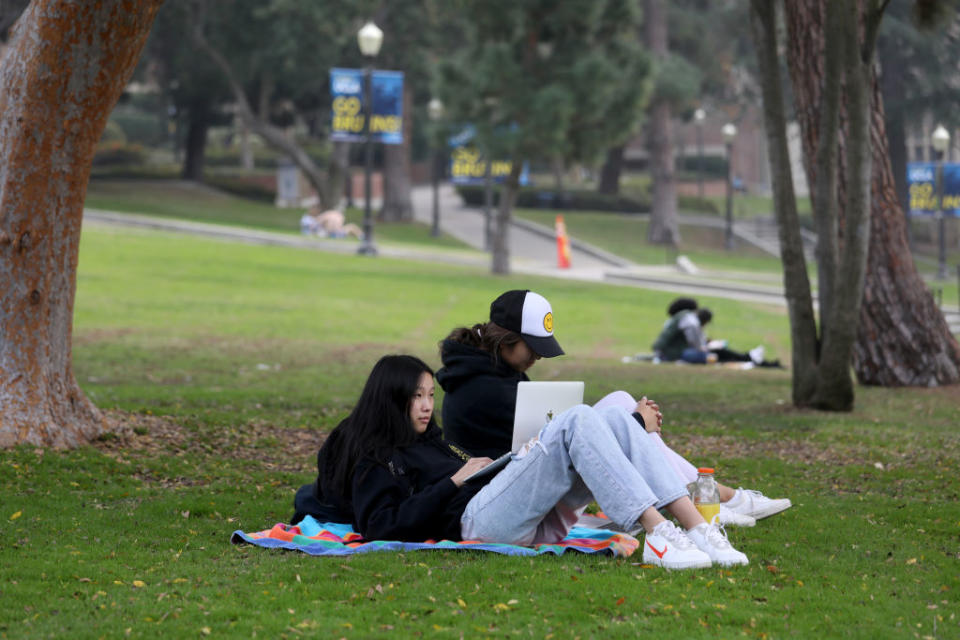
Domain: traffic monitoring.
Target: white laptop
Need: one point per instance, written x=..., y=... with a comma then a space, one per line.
x=537, y=404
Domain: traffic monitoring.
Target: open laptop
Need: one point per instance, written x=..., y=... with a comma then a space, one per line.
x=537, y=404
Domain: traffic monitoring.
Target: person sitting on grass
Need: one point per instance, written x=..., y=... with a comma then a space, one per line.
x=483, y=364
x=402, y=481
x=682, y=339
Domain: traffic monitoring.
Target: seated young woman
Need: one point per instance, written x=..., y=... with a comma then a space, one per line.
x=483, y=364
x=388, y=462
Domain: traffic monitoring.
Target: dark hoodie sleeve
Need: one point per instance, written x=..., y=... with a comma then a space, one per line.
x=384, y=511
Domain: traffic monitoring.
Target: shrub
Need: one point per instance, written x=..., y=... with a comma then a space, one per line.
x=243, y=187
x=580, y=199
x=118, y=153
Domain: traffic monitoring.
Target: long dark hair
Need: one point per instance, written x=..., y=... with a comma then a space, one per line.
x=487, y=336
x=378, y=424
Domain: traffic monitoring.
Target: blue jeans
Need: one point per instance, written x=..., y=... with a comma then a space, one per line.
x=582, y=455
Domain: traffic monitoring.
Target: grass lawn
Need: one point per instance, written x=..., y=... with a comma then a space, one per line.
x=190, y=201
x=227, y=363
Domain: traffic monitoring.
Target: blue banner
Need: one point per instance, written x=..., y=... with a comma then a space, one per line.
x=924, y=198
x=349, y=109
x=467, y=166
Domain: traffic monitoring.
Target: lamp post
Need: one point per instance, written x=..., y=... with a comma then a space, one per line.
x=435, y=111
x=698, y=117
x=369, y=38
x=729, y=132
x=941, y=141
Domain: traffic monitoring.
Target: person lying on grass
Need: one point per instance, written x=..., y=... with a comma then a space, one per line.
x=402, y=481
x=483, y=364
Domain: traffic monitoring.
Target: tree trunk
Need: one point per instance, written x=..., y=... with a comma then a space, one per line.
x=501, y=229
x=902, y=337
x=803, y=326
x=63, y=72
x=196, y=144
x=663, y=227
x=397, y=201
x=337, y=175
x=610, y=172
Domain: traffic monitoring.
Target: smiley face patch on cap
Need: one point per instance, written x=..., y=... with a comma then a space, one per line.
x=530, y=315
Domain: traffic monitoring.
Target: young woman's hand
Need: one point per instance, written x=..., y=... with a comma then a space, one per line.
x=468, y=469
x=650, y=412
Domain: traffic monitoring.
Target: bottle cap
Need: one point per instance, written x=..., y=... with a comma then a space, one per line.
x=705, y=470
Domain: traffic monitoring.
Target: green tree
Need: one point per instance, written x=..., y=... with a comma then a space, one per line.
x=275, y=57
x=543, y=80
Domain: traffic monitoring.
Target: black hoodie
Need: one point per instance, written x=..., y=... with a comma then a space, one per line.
x=480, y=397
x=412, y=497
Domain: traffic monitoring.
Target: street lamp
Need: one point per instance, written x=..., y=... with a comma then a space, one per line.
x=435, y=111
x=729, y=132
x=941, y=141
x=698, y=117
x=369, y=38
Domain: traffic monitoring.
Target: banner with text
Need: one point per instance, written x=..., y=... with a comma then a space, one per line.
x=347, y=118
x=924, y=198
x=467, y=166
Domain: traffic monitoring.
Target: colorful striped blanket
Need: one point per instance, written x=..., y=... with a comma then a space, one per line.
x=333, y=539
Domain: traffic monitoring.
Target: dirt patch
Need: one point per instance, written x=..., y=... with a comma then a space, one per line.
x=274, y=448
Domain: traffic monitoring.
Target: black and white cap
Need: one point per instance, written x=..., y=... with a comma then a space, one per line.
x=530, y=315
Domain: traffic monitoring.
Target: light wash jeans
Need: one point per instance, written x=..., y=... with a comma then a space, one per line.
x=582, y=455
x=686, y=471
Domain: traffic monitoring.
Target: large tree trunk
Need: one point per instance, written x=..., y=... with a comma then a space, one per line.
x=397, y=201
x=902, y=337
x=196, y=144
x=663, y=227
x=500, y=242
x=63, y=72
x=611, y=170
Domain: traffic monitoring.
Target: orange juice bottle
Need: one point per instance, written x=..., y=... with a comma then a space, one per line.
x=706, y=497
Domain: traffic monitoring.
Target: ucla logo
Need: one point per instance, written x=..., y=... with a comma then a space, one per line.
x=920, y=174
x=346, y=84
x=548, y=322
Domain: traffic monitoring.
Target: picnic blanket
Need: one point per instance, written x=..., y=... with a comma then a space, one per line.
x=335, y=539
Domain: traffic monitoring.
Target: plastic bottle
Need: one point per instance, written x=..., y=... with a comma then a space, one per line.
x=705, y=495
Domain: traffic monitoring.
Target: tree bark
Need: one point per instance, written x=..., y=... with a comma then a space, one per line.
x=500, y=242
x=611, y=170
x=196, y=144
x=663, y=228
x=902, y=337
x=63, y=72
x=397, y=199
x=803, y=324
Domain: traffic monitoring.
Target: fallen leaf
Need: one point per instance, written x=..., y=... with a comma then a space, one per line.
x=912, y=561
x=205, y=631
x=463, y=605
x=772, y=568
x=139, y=584
x=620, y=601
x=16, y=515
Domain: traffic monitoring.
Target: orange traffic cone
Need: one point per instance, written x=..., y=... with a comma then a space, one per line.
x=563, y=244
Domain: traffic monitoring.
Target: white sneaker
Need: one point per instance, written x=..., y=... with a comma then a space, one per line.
x=730, y=518
x=712, y=540
x=756, y=354
x=669, y=547
x=755, y=504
